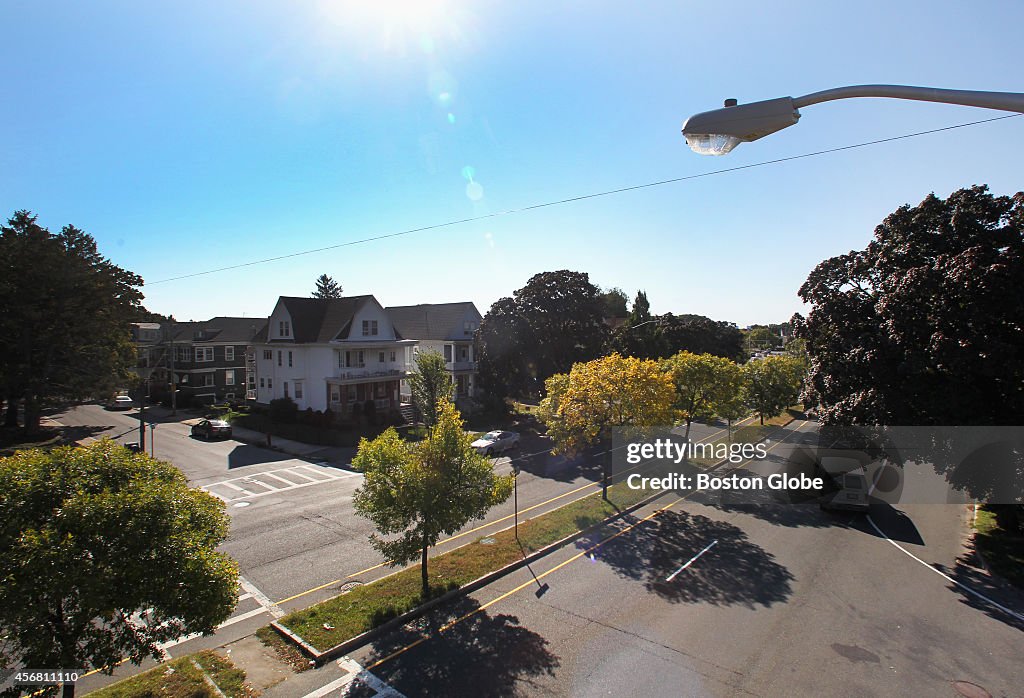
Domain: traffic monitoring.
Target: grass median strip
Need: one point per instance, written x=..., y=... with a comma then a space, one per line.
x=181, y=678
x=365, y=607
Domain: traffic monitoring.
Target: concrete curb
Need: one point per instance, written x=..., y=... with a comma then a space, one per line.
x=321, y=657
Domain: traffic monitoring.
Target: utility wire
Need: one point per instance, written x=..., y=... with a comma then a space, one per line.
x=582, y=197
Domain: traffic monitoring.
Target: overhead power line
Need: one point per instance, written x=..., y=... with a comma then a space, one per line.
x=582, y=197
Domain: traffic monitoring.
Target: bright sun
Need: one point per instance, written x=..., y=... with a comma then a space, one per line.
x=410, y=15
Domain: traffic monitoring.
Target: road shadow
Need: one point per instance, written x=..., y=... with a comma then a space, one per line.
x=894, y=523
x=967, y=572
x=772, y=506
x=733, y=571
x=483, y=655
x=246, y=454
x=74, y=434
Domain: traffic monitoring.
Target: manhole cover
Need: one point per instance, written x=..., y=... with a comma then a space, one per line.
x=239, y=505
x=348, y=586
x=487, y=541
x=970, y=690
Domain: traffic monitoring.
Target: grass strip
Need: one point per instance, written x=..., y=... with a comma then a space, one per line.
x=331, y=622
x=1003, y=551
x=181, y=679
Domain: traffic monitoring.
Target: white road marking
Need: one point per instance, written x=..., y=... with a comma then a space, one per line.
x=945, y=576
x=304, y=471
x=260, y=598
x=693, y=559
x=355, y=671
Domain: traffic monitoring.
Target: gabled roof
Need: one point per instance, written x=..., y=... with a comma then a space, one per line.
x=319, y=320
x=223, y=330
x=431, y=320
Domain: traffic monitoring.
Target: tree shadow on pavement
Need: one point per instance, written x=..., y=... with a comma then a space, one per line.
x=770, y=506
x=733, y=571
x=247, y=454
x=74, y=434
x=481, y=655
x=967, y=572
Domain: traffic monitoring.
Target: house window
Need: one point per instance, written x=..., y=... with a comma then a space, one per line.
x=392, y=357
x=268, y=355
x=286, y=388
x=468, y=326
x=289, y=359
x=284, y=329
x=298, y=390
x=335, y=394
x=447, y=353
x=262, y=383
x=229, y=377
x=229, y=353
x=278, y=357
x=380, y=357
x=184, y=378
x=205, y=380
x=270, y=383
x=183, y=354
x=229, y=396
x=463, y=353
x=381, y=390
x=351, y=393
x=204, y=354
x=369, y=328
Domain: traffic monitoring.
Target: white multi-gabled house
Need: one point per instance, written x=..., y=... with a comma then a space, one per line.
x=332, y=353
x=449, y=329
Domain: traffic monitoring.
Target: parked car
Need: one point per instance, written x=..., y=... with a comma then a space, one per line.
x=494, y=442
x=208, y=428
x=133, y=446
x=121, y=402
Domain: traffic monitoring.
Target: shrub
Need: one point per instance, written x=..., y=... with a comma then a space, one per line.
x=284, y=410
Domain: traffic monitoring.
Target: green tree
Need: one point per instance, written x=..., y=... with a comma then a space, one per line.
x=64, y=329
x=429, y=384
x=615, y=302
x=923, y=325
x=760, y=338
x=554, y=321
x=614, y=391
x=419, y=492
x=699, y=381
x=729, y=397
x=326, y=287
x=106, y=554
x=772, y=384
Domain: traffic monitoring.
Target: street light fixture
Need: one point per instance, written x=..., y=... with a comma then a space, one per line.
x=718, y=131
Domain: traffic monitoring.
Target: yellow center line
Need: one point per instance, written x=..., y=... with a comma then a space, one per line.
x=482, y=526
x=537, y=578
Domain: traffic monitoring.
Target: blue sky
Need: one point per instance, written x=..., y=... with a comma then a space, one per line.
x=189, y=136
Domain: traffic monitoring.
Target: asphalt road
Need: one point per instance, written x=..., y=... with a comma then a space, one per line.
x=294, y=532
x=788, y=600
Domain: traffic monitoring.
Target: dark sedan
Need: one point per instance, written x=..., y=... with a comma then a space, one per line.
x=209, y=428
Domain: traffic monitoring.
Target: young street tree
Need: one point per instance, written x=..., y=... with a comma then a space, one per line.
x=64, y=330
x=422, y=491
x=326, y=287
x=429, y=384
x=698, y=380
x=613, y=391
x=772, y=384
x=106, y=554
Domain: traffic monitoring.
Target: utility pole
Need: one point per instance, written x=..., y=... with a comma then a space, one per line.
x=173, y=376
x=142, y=417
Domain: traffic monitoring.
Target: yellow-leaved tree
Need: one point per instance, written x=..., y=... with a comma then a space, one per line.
x=583, y=406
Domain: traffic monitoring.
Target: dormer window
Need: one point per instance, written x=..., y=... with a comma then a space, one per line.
x=369, y=328
x=284, y=328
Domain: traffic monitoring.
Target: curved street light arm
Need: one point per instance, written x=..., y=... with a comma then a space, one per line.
x=1005, y=101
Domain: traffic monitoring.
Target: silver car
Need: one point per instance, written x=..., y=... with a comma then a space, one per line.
x=494, y=442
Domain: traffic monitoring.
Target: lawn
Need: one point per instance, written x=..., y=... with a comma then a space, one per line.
x=181, y=678
x=365, y=607
x=1003, y=551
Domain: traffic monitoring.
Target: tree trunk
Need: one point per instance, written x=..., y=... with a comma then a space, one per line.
x=69, y=690
x=689, y=421
x=729, y=428
x=31, y=415
x=423, y=571
x=11, y=416
x=761, y=415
